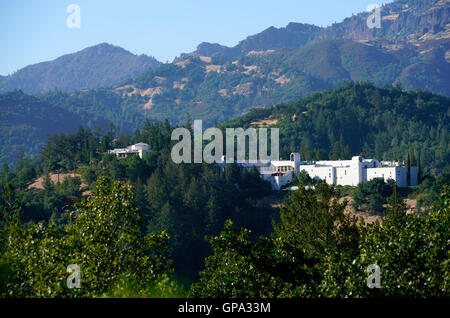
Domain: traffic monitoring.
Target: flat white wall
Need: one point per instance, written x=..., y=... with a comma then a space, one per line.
x=324, y=173
x=398, y=174
x=344, y=176
x=354, y=174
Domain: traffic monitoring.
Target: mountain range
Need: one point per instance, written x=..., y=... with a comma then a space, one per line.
x=418, y=24
x=412, y=48
x=100, y=65
x=216, y=83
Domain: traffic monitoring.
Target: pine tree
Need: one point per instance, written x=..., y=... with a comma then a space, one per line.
x=336, y=151
x=396, y=210
x=346, y=153
x=48, y=184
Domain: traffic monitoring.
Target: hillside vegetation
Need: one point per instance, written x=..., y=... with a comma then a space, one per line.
x=217, y=89
x=26, y=121
x=359, y=118
x=278, y=65
x=142, y=214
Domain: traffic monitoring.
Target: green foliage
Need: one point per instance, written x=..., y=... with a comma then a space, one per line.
x=193, y=200
x=288, y=264
x=304, y=258
x=312, y=252
x=374, y=194
x=89, y=176
x=383, y=123
x=413, y=258
x=103, y=237
x=27, y=120
x=303, y=178
x=395, y=213
x=189, y=201
x=65, y=152
x=316, y=221
x=239, y=268
x=359, y=118
x=427, y=192
x=163, y=287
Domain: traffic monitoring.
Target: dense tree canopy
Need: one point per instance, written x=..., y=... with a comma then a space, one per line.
x=77, y=204
x=309, y=255
x=361, y=119
x=103, y=238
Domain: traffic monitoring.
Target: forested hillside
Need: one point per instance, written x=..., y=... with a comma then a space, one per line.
x=216, y=83
x=136, y=228
x=188, y=201
x=359, y=118
x=26, y=121
x=140, y=225
x=217, y=89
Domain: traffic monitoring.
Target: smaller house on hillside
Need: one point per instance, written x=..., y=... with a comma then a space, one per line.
x=140, y=149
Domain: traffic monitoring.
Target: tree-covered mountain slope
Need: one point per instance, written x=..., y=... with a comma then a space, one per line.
x=276, y=66
x=216, y=83
x=359, y=118
x=96, y=66
x=217, y=89
x=25, y=122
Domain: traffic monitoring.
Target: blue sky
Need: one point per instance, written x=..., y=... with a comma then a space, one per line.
x=33, y=31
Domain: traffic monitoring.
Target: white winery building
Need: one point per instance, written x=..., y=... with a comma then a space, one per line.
x=337, y=172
